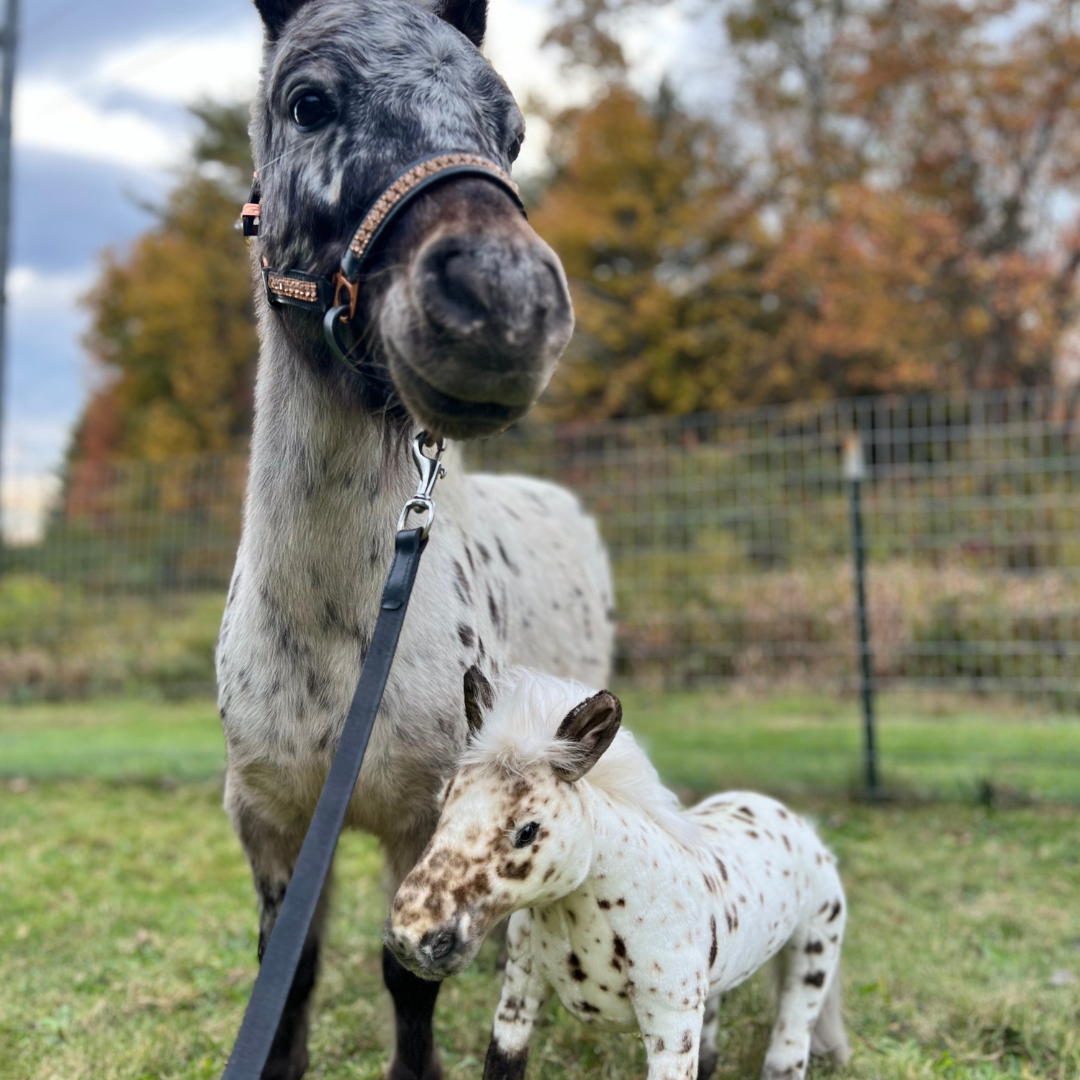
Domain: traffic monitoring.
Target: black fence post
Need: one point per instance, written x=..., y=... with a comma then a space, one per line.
x=855, y=474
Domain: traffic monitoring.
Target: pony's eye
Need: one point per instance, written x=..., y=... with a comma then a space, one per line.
x=526, y=834
x=515, y=147
x=310, y=108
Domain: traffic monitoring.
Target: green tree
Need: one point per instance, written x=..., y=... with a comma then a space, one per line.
x=173, y=325
x=663, y=255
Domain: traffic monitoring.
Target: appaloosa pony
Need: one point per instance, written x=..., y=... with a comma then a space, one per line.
x=458, y=325
x=637, y=914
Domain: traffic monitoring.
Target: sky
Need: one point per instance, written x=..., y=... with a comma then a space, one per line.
x=101, y=124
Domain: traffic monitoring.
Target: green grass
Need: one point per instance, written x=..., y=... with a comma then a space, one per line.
x=788, y=743
x=127, y=930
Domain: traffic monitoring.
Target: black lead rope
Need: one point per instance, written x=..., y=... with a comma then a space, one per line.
x=290, y=931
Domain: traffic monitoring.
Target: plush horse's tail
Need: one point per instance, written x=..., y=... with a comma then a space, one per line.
x=829, y=1039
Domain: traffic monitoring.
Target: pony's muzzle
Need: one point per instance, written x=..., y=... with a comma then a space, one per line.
x=502, y=295
x=485, y=316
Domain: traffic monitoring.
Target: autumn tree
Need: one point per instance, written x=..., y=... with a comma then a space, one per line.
x=663, y=254
x=173, y=327
x=906, y=152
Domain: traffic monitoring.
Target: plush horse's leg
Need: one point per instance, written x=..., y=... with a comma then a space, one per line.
x=672, y=1039
x=272, y=855
x=524, y=992
x=811, y=963
x=708, y=1054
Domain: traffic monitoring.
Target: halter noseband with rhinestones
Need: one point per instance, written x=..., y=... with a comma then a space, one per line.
x=337, y=297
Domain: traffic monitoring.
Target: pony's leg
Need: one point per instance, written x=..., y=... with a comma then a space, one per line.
x=708, y=1055
x=524, y=992
x=414, y=1031
x=415, y=1056
x=811, y=962
x=672, y=1040
x=272, y=855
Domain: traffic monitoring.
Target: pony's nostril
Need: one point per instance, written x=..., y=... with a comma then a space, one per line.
x=454, y=287
x=443, y=944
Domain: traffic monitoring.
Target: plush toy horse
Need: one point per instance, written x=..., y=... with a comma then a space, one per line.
x=636, y=913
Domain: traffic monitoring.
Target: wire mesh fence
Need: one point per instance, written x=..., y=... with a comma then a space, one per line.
x=731, y=544
x=729, y=535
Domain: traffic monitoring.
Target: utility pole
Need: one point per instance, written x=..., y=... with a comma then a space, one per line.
x=7, y=45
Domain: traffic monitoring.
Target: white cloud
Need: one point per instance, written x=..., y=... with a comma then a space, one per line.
x=32, y=291
x=72, y=116
x=26, y=501
x=50, y=115
x=222, y=67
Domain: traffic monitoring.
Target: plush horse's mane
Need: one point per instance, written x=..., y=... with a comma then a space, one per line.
x=519, y=731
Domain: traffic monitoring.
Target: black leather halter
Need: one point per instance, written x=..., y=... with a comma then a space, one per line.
x=337, y=297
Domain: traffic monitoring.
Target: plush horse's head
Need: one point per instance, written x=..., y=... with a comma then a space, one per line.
x=513, y=831
x=464, y=304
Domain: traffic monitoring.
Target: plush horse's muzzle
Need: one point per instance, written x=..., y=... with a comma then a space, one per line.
x=439, y=952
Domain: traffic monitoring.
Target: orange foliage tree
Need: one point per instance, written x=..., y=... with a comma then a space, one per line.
x=905, y=154
x=664, y=257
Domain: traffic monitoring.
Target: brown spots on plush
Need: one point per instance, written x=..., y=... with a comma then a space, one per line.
x=515, y=871
x=753, y=835
x=713, y=948
x=587, y=1007
x=687, y=1043
x=721, y=867
x=815, y=978
x=787, y=842
x=836, y=909
x=814, y=947
x=658, y=1046
x=575, y=968
x=604, y=905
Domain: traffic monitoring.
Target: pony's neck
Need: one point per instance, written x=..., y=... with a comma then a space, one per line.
x=325, y=469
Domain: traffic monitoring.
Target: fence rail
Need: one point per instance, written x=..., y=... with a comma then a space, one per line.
x=729, y=537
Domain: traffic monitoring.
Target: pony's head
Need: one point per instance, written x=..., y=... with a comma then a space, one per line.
x=513, y=831
x=462, y=303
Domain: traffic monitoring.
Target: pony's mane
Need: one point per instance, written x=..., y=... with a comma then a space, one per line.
x=519, y=731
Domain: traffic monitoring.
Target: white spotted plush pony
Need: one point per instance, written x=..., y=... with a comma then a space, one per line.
x=636, y=913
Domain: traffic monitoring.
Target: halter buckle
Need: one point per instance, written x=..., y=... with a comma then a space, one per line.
x=352, y=289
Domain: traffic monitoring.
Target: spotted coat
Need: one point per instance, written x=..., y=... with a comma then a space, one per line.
x=632, y=925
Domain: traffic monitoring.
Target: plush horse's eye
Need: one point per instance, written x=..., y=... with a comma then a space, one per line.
x=310, y=108
x=526, y=834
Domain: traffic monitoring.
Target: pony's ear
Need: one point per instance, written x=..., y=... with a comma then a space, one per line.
x=276, y=13
x=591, y=725
x=479, y=697
x=468, y=16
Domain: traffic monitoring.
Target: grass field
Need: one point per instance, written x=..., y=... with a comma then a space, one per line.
x=127, y=931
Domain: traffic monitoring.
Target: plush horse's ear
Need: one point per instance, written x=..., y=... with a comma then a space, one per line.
x=276, y=13
x=479, y=696
x=592, y=725
x=468, y=16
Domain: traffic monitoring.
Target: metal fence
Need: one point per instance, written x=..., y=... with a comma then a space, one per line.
x=729, y=536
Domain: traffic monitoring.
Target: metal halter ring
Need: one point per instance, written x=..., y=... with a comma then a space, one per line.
x=431, y=471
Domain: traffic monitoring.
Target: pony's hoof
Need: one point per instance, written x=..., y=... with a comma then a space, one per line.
x=399, y=1071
